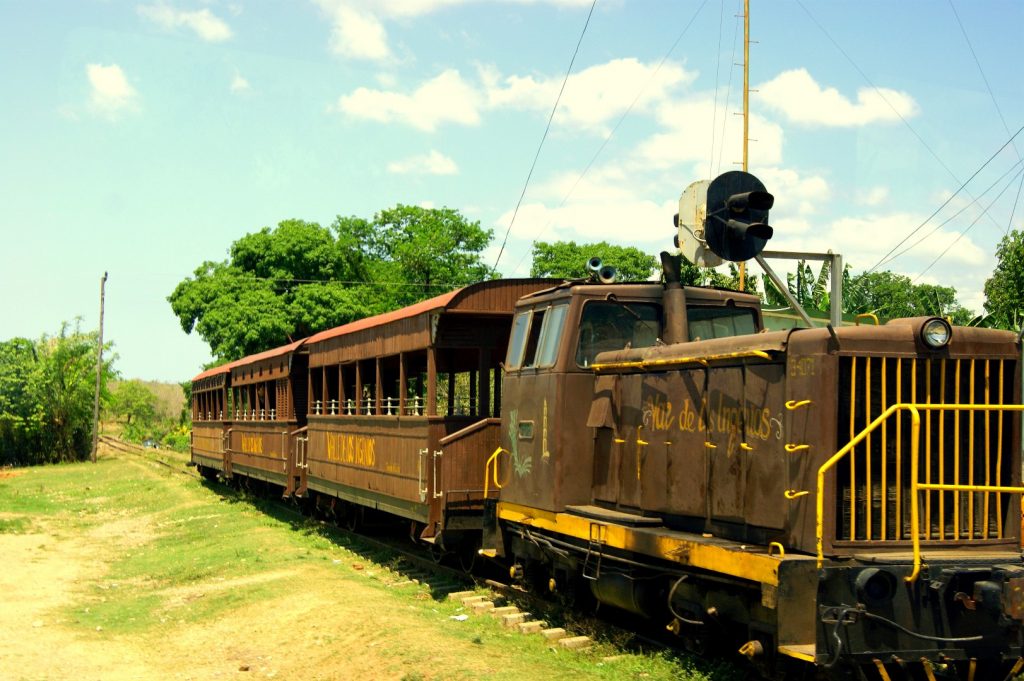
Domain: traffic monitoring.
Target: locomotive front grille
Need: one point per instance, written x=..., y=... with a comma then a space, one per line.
x=961, y=447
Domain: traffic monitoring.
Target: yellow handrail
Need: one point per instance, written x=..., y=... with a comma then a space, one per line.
x=915, y=484
x=866, y=315
x=669, y=361
x=487, y=468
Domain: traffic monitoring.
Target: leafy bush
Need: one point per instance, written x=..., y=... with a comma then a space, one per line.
x=47, y=389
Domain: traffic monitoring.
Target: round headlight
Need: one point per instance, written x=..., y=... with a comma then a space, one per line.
x=936, y=333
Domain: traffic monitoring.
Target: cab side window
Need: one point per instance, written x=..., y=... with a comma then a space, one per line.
x=517, y=342
x=536, y=335
x=550, y=336
x=710, y=322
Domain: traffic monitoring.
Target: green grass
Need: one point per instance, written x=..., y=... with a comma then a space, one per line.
x=180, y=547
x=16, y=525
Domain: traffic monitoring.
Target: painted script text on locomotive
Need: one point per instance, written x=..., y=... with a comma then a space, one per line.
x=717, y=417
x=351, y=449
x=252, y=444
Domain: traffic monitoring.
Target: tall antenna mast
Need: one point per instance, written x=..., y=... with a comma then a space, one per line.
x=746, y=109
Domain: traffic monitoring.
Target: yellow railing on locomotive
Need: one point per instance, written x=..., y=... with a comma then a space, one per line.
x=916, y=485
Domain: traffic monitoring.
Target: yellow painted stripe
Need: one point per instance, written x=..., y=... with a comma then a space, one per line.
x=799, y=652
x=757, y=567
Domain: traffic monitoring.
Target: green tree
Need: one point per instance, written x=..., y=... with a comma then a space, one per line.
x=810, y=290
x=568, y=260
x=1004, y=290
x=19, y=427
x=47, y=389
x=890, y=295
x=425, y=250
x=286, y=283
x=134, y=402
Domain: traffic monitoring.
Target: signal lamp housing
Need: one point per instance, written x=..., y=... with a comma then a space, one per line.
x=736, y=227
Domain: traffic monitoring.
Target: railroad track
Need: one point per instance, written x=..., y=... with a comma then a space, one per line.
x=151, y=455
x=414, y=564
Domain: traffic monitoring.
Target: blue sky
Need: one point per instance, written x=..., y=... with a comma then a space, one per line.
x=143, y=138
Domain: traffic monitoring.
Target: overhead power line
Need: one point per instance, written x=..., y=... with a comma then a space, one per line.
x=945, y=203
x=995, y=102
x=618, y=123
x=896, y=111
x=956, y=214
x=968, y=228
x=540, y=146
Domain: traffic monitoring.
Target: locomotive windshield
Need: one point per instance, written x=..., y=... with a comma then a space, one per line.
x=615, y=325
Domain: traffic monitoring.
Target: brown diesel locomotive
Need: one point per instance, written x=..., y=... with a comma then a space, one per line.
x=845, y=500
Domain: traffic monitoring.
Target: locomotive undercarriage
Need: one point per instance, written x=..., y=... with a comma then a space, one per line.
x=960, y=619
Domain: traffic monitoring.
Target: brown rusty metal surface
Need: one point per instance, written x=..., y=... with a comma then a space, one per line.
x=1013, y=598
x=208, y=439
x=261, y=446
x=382, y=454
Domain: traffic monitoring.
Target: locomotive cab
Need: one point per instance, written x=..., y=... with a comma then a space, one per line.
x=557, y=337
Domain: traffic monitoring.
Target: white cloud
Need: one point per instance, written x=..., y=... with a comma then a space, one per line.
x=593, y=96
x=356, y=32
x=864, y=240
x=873, y=196
x=413, y=8
x=796, y=95
x=601, y=208
x=804, y=194
x=434, y=163
x=357, y=26
x=689, y=126
x=239, y=83
x=111, y=93
x=444, y=99
x=203, y=22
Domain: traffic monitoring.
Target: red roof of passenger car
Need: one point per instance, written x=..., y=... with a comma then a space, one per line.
x=437, y=302
x=250, y=359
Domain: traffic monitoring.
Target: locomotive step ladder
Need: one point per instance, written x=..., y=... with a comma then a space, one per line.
x=595, y=551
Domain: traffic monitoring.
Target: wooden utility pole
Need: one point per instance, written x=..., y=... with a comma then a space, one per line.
x=99, y=373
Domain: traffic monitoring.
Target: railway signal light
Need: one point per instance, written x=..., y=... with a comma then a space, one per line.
x=736, y=227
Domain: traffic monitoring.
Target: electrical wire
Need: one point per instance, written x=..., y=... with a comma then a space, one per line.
x=885, y=258
x=615, y=128
x=728, y=90
x=547, y=128
x=970, y=226
x=954, y=215
x=899, y=115
x=995, y=102
x=380, y=284
x=718, y=69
